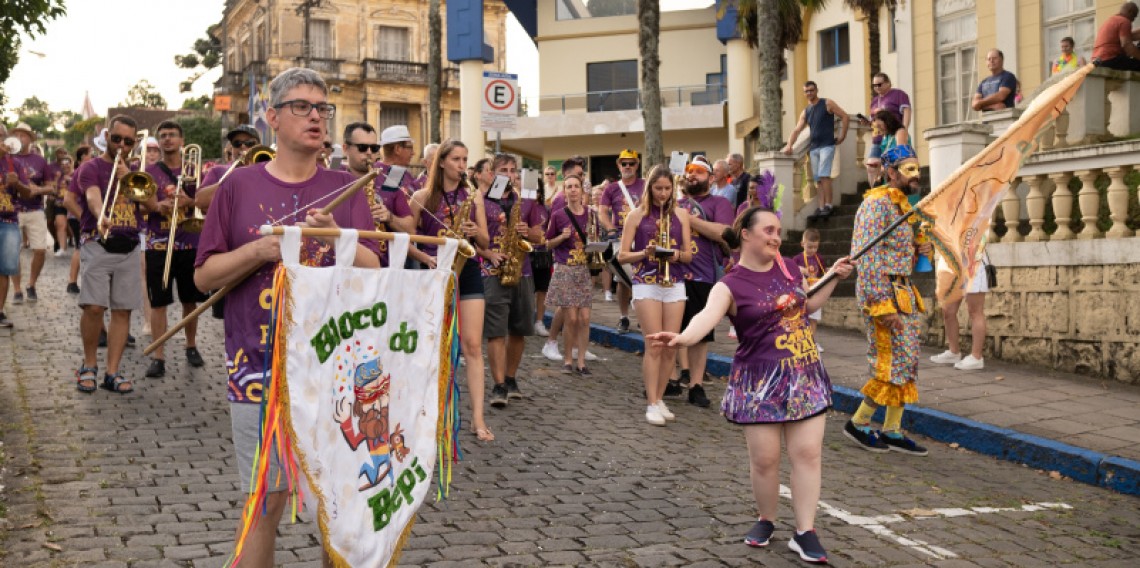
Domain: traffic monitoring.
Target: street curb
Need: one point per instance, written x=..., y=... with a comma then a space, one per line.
x=1087, y=466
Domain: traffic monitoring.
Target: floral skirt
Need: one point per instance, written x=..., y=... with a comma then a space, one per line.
x=770, y=392
x=570, y=287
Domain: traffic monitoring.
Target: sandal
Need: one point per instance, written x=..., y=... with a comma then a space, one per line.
x=116, y=383
x=85, y=379
x=484, y=434
x=568, y=368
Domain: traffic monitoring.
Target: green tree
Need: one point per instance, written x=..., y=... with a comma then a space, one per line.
x=199, y=103
x=143, y=94
x=38, y=115
x=205, y=131
x=206, y=55
x=81, y=130
x=435, y=66
x=22, y=17
x=871, y=8
x=649, y=29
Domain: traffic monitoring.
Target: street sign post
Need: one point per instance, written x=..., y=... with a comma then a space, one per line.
x=500, y=103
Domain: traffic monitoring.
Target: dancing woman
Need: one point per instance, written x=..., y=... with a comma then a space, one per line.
x=778, y=387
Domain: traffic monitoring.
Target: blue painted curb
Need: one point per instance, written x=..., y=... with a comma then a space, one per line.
x=1087, y=466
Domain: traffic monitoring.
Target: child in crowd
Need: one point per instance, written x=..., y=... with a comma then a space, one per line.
x=812, y=267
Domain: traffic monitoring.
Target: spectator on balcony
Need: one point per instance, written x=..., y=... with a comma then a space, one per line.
x=891, y=100
x=721, y=184
x=1068, y=61
x=997, y=91
x=820, y=116
x=1114, y=46
x=739, y=177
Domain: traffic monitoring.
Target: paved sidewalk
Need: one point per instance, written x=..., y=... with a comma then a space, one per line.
x=1088, y=413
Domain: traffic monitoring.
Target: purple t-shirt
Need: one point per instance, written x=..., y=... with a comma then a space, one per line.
x=496, y=218
x=613, y=198
x=408, y=183
x=9, y=195
x=158, y=225
x=764, y=300
x=36, y=170
x=126, y=216
x=249, y=198
x=706, y=253
x=544, y=218
x=894, y=101
x=811, y=267
x=572, y=251
x=446, y=211
x=645, y=271
x=214, y=174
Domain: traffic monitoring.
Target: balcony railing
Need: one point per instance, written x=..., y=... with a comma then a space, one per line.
x=328, y=68
x=625, y=99
x=407, y=72
x=257, y=68
x=231, y=81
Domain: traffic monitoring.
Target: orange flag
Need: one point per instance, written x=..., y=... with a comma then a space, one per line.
x=957, y=213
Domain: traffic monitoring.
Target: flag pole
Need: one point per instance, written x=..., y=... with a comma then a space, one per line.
x=831, y=274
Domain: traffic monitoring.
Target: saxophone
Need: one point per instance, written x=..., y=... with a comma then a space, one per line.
x=594, y=260
x=512, y=246
x=663, y=226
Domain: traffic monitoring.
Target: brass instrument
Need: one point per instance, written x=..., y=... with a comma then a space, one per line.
x=663, y=226
x=191, y=171
x=513, y=246
x=594, y=260
x=457, y=224
x=138, y=186
x=112, y=191
x=257, y=154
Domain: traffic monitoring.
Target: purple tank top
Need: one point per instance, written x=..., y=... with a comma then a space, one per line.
x=447, y=210
x=646, y=271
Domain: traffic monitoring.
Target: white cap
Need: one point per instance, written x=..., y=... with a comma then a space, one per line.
x=394, y=134
x=151, y=141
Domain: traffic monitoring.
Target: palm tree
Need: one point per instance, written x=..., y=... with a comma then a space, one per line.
x=871, y=8
x=649, y=19
x=435, y=41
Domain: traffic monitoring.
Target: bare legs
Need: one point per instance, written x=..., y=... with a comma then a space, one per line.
x=471, y=347
x=577, y=333
x=804, y=441
x=976, y=308
x=657, y=365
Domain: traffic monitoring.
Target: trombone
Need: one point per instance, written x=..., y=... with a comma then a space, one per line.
x=191, y=170
x=137, y=186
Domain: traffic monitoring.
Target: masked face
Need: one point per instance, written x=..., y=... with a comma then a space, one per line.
x=905, y=176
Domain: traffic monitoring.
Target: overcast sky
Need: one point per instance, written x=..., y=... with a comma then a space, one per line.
x=82, y=53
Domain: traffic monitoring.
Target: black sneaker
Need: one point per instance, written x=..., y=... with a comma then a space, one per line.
x=697, y=396
x=903, y=444
x=869, y=441
x=684, y=378
x=130, y=340
x=194, y=357
x=32, y=297
x=4, y=321
x=815, y=214
x=808, y=547
x=760, y=534
x=156, y=369
x=512, y=388
x=826, y=211
x=499, y=396
x=72, y=288
x=623, y=325
x=18, y=298
x=674, y=388
x=103, y=338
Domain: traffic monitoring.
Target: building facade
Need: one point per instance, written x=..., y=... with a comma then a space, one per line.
x=372, y=53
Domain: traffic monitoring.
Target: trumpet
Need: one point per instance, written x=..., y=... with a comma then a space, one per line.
x=663, y=226
x=191, y=170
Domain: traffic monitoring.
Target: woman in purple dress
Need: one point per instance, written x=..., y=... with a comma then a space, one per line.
x=778, y=387
x=658, y=292
x=570, y=286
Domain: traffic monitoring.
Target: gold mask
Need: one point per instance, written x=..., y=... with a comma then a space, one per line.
x=910, y=170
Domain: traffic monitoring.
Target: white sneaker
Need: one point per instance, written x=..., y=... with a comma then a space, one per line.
x=731, y=332
x=60, y=253
x=540, y=329
x=550, y=351
x=970, y=363
x=946, y=358
x=818, y=348
x=609, y=296
x=589, y=356
x=664, y=411
x=653, y=415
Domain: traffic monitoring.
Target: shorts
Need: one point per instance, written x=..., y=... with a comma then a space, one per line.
x=698, y=293
x=9, y=249
x=509, y=309
x=816, y=315
x=245, y=423
x=35, y=225
x=665, y=295
x=821, y=159
x=542, y=279
x=470, y=281
x=979, y=284
x=875, y=152
x=109, y=280
x=181, y=273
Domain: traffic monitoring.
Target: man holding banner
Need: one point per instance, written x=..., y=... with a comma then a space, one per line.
x=284, y=191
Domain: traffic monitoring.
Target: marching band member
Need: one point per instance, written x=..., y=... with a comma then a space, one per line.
x=251, y=196
x=658, y=293
x=618, y=199
x=446, y=207
x=398, y=149
x=13, y=186
x=571, y=289
x=30, y=210
x=240, y=138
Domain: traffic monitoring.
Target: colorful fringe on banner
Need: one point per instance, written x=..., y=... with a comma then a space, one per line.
x=450, y=423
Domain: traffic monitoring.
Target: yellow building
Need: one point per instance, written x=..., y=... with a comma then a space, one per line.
x=372, y=53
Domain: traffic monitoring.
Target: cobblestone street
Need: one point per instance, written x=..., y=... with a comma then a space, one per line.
x=576, y=477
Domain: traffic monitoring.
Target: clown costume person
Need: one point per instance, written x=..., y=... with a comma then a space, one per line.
x=891, y=306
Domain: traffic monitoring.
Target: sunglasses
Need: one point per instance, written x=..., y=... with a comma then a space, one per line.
x=245, y=143
x=876, y=85
x=362, y=148
x=628, y=164
x=125, y=140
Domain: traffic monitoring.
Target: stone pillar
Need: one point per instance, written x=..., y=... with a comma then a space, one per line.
x=783, y=167
x=1011, y=210
x=952, y=145
x=1088, y=121
x=739, y=64
x=1118, y=203
x=471, y=107
x=1035, y=204
x=1089, y=200
x=1062, y=206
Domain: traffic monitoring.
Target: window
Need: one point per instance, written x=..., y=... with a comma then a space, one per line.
x=391, y=115
x=834, y=47
x=956, y=33
x=892, y=43
x=454, y=125
x=392, y=43
x=1068, y=18
x=612, y=85
x=320, y=39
